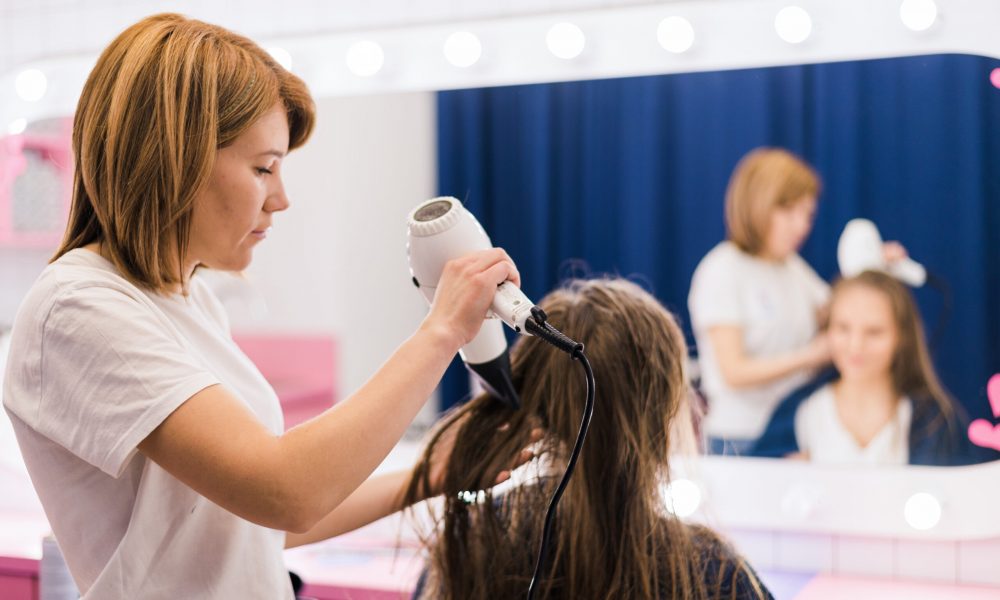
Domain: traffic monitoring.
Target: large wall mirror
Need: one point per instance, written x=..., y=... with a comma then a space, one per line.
x=628, y=176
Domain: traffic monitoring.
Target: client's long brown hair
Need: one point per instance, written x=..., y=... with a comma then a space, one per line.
x=612, y=537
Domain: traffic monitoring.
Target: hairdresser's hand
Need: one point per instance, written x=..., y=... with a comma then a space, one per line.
x=893, y=251
x=465, y=292
x=817, y=352
x=443, y=449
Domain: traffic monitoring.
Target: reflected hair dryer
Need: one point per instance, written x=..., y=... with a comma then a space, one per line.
x=860, y=249
x=439, y=230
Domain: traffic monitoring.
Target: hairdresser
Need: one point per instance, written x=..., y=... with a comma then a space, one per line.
x=154, y=444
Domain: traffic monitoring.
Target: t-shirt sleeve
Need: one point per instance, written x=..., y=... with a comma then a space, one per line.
x=111, y=370
x=714, y=298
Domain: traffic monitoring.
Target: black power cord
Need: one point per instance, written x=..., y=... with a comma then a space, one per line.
x=539, y=327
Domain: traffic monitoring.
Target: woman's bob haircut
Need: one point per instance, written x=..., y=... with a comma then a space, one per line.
x=163, y=98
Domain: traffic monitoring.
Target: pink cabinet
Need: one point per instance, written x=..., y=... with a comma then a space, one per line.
x=300, y=368
x=18, y=578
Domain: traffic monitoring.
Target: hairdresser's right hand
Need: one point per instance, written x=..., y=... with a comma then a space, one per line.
x=465, y=292
x=443, y=448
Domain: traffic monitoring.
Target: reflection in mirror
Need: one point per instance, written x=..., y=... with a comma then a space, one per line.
x=629, y=176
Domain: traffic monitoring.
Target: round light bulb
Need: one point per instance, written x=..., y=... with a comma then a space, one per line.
x=17, y=126
x=281, y=56
x=31, y=85
x=922, y=511
x=675, y=34
x=565, y=40
x=918, y=15
x=683, y=497
x=800, y=501
x=365, y=58
x=462, y=49
x=793, y=24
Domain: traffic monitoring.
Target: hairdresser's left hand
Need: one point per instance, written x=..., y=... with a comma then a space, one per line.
x=442, y=452
x=893, y=251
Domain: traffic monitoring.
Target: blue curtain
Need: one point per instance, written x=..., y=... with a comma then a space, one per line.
x=627, y=176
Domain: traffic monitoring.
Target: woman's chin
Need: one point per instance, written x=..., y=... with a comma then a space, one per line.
x=851, y=372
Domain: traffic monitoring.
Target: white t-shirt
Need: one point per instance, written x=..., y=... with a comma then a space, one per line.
x=775, y=304
x=820, y=432
x=95, y=365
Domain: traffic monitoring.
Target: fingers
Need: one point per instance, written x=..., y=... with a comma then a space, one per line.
x=465, y=291
x=522, y=459
x=499, y=273
x=893, y=251
x=484, y=260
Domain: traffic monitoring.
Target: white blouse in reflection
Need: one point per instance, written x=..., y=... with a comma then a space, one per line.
x=820, y=432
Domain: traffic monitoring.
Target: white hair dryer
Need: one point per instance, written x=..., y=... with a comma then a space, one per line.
x=439, y=230
x=860, y=249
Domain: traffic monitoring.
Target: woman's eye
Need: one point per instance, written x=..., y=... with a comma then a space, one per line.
x=262, y=171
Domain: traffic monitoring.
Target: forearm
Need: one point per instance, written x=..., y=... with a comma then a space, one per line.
x=741, y=369
x=750, y=371
x=378, y=497
x=335, y=452
x=217, y=446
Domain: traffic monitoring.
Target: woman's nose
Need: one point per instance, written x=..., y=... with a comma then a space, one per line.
x=277, y=201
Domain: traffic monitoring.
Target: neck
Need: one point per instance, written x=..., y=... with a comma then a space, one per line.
x=769, y=256
x=866, y=391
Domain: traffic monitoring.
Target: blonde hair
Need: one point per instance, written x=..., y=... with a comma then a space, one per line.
x=764, y=180
x=163, y=98
x=613, y=539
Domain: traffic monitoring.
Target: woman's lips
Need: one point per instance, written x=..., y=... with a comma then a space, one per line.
x=260, y=233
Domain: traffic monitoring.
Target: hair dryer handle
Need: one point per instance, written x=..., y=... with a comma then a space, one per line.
x=908, y=271
x=512, y=306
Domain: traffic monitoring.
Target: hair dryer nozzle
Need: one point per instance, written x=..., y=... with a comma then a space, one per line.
x=496, y=378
